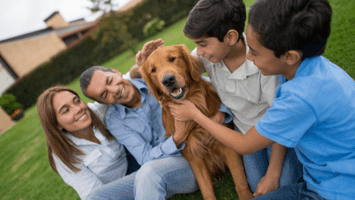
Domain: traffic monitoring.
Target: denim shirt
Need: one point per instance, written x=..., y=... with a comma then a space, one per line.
x=141, y=129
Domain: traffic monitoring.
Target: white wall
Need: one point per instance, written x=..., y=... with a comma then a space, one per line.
x=6, y=80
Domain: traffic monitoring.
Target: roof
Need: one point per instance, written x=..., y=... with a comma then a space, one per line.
x=50, y=16
x=61, y=32
x=41, y=32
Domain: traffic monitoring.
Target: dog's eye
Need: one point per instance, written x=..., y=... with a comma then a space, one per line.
x=154, y=69
x=171, y=59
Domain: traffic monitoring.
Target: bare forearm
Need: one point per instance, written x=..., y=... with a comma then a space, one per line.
x=178, y=140
x=242, y=144
x=277, y=158
x=134, y=72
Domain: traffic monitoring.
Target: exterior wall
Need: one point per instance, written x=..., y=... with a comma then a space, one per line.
x=5, y=80
x=25, y=55
x=56, y=22
x=5, y=121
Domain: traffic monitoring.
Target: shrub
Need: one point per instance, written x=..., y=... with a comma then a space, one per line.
x=153, y=27
x=62, y=69
x=8, y=103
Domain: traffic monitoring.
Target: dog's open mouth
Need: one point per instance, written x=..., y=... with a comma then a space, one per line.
x=177, y=93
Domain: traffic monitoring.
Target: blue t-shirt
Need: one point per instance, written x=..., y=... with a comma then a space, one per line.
x=315, y=113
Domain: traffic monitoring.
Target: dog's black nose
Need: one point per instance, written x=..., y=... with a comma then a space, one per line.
x=168, y=80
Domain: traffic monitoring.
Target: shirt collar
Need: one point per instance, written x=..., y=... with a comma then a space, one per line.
x=247, y=69
x=142, y=88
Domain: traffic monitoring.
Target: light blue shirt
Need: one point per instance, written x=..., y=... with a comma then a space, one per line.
x=141, y=129
x=315, y=113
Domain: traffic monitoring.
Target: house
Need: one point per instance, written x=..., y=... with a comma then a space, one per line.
x=22, y=54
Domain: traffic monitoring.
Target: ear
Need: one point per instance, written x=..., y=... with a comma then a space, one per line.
x=193, y=64
x=231, y=37
x=116, y=71
x=292, y=57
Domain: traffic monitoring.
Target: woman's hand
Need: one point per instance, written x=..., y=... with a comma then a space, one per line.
x=147, y=49
x=184, y=111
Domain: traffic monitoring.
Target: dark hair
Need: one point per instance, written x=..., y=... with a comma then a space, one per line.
x=302, y=25
x=58, y=142
x=214, y=18
x=85, y=77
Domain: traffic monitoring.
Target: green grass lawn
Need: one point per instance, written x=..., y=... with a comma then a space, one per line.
x=24, y=168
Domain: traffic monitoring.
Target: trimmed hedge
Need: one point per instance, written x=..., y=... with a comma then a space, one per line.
x=170, y=11
x=62, y=69
x=68, y=65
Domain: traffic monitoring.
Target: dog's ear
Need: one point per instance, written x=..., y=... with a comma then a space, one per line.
x=148, y=79
x=193, y=63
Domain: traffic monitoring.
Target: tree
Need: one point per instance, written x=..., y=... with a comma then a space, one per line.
x=112, y=28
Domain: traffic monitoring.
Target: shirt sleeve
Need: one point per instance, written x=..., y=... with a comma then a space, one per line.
x=127, y=75
x=130, y=133
x=83, y=181
x=287, y=120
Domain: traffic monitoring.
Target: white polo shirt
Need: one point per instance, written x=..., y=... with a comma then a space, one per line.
x=246, y=91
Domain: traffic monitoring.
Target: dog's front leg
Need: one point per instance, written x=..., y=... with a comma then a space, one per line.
x=202, y=175
x=235, y=164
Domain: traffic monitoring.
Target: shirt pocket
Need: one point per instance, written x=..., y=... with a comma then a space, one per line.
x=90, y=158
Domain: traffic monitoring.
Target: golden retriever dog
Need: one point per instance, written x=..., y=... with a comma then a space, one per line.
x=172, y=74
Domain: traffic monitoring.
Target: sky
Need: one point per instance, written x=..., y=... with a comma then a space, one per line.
x=19, y=17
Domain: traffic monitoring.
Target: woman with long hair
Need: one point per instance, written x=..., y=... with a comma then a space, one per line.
x=80, y=149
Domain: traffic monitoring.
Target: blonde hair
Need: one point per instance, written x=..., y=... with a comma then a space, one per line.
x=58, y=142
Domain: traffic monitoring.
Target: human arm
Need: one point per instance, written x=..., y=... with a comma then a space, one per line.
x=136, y=134
x=246, y=144
x=142, y=56
x=180, y=135
x=270, y=181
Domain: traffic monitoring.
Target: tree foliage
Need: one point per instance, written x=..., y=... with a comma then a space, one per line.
x=112, y=29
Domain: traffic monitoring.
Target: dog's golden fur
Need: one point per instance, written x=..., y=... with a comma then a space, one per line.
x=171, y=74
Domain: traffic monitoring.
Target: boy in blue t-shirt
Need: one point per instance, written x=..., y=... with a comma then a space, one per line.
x=313, y=110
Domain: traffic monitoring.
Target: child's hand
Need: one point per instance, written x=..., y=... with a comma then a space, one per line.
x=266, y=184
x=184, y=111
x=147, y=49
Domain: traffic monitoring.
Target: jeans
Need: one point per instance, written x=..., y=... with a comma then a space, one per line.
x=156, y=179
x=256, y=165
x=297, y=191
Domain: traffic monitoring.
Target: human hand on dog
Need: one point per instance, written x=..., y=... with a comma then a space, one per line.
x=266, y=184
x=180, y=134
x=147, y=49
x=184, y=111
